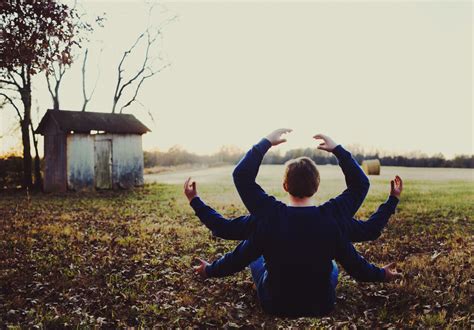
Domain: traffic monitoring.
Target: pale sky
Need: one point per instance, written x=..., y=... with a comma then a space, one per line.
x=392, y=75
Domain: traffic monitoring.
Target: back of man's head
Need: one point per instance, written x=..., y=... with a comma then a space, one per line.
x=301, y=177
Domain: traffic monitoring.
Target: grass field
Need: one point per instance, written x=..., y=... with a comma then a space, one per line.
x=120, y=259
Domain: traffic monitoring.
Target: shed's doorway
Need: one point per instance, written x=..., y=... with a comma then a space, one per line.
x=103, y=164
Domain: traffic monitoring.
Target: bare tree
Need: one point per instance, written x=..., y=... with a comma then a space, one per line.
x=84, y=89
x=53, y=79
x=28, y=29
x=148, y=69
x=37, y=164
x=144, y=72
x=56, y=72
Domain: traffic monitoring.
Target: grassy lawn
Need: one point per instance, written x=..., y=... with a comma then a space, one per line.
x=124, y=259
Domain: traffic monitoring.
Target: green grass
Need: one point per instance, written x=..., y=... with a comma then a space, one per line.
x=121, y=259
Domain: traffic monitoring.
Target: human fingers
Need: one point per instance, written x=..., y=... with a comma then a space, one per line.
x=320, y=136
x=284, y=130
x=391, y=265
x=322, y=146
x=401, y=182
x=201, y=261
x=186, y=183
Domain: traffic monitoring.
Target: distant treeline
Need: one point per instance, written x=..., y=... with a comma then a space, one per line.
x=11, y=166
x=178, y=156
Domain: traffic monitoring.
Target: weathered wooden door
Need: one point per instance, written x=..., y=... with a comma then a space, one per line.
x=103, y=164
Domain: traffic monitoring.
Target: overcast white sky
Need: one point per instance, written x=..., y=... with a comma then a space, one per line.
x=390, y=75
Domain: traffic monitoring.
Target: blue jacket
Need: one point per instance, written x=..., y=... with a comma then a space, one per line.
x=240, y=228
x=298, y=243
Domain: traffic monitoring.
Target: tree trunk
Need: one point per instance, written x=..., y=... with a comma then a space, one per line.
x=27, y=162
x=84, y=105
x=25, y=136
x=114, y=105
x=38, y=177
x=56, y=95
x=56, y=103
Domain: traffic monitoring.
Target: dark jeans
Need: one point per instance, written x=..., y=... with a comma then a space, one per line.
x=257, y=268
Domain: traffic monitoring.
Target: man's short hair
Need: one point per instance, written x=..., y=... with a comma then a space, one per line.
x=301, y=177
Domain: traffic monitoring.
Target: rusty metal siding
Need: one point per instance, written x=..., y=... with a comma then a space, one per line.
x=80, y=161
x=127, y=159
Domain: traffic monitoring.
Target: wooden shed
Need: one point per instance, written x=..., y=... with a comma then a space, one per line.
x=91, y=150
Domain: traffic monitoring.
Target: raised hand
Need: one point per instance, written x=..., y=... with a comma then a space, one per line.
x=328, y=144
x=391, y=273
x=396, y=187
x=275, y=137
x=190, y=189
x=201, y=269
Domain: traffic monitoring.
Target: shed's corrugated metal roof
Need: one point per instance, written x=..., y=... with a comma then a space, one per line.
x=79, y=121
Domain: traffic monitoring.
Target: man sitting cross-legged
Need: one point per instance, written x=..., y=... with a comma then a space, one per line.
x=296, y=276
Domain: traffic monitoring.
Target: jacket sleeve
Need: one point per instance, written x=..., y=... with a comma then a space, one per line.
x=235, y=261
x=255, y=199
x=344, y=206
x=371, y=229
x=356, y=265
x=238, y=228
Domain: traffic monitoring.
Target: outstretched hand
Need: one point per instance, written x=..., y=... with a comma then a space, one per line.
x=190, y=189
x=391, y=273
x=276, y=138
x=328, y=144
x=201, y=269
x=396, y=187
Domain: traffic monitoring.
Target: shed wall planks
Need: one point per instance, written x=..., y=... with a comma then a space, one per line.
x=71, y=161
x=80, y=161
x=55, y=162
x=127, y=159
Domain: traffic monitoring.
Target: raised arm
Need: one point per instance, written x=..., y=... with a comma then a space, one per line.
x=357, y=181
x=245, y=173
x=239, y=228
x=348, y=202
x=371, y=229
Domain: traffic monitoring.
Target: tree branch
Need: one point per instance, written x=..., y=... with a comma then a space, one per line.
x=98, y=75
x=147, y=110
x=10, y=100
x=151, y=74
x=13, y=81
x=84, y=92
x=8, y=82
x=118, y=94
x=144, y=72
x=145, y=61
x=86, y=100
x=49, y=86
